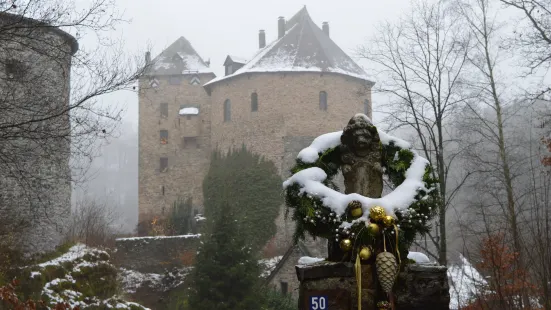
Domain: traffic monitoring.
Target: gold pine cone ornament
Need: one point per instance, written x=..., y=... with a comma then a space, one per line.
x=387, y=269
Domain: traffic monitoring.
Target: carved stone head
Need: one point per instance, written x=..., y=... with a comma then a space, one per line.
x=360, y=136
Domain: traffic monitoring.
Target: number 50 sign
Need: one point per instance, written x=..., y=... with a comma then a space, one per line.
x=318, y=303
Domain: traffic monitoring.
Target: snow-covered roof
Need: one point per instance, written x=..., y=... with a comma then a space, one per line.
x=189, y=111
x=179, y=58
x=237, y=59
x=303, y=48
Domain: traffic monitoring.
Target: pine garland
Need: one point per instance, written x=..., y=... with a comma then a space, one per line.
x=312, y=216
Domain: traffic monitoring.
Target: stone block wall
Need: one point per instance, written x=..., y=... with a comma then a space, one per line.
x=187, y=148
x=156, y=254
x=35, y=178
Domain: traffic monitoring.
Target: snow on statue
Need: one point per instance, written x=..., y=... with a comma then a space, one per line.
x=359, y=223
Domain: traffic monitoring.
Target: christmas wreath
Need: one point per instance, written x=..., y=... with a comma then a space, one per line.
x=355, y=221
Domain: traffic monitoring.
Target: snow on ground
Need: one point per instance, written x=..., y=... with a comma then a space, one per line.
x=268, y=265
x=75, y=252
x=64, y=288
x=464, y=280
x=307, y=260
x=131, y=280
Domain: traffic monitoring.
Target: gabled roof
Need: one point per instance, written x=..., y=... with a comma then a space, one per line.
x=237, y=59
x=300, y=246
x=179, y=58
x=303, y=48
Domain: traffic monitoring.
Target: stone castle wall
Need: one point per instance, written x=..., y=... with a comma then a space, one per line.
x=35, y=188
x=288, y=119
x=156, y=254
x=188, y=160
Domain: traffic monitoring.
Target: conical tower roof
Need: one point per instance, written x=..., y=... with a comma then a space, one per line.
x=179, y=58
x=303, y=48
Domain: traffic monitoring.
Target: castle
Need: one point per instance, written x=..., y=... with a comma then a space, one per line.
x=297, y=87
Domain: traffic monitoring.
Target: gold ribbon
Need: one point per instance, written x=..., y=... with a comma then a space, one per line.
x=358, y=267
x=397, y=247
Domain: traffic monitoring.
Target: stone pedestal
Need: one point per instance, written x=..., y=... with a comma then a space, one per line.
x=418, y=287
x=337, y=283
x=423, y=286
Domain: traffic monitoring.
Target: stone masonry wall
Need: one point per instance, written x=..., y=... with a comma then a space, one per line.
x=37, y=197
x=287, y=120
x=156, y=254
x=187, y=163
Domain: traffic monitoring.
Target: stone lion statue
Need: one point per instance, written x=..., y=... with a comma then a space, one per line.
x=361, y=156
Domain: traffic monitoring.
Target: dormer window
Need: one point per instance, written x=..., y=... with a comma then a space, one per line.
x=229, y=69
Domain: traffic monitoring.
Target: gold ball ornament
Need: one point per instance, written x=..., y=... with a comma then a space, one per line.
x=346, y=245
x=389, y=221
x=373, y=229
x=365, y=253
x=355, y=208
x=377, y=214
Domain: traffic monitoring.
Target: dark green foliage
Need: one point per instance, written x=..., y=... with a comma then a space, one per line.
x=304, y=206
x=396, y=161
x=180, y=220
x=226, y=272
x=273, y=300
x=251, y=186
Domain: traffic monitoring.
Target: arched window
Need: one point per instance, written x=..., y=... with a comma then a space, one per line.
x=227, y=110
x=366, y=107
x=254, y=102
x=323, y=101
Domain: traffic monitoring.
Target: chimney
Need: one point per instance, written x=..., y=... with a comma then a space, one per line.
x=325, y=28
x=280, y=27
x=147, y=57
x=208, y=63
x=261, y=39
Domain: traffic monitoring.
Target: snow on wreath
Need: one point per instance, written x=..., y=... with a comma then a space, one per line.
x=321, y=210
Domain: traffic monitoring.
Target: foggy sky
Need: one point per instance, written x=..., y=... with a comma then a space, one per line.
x=218, y=28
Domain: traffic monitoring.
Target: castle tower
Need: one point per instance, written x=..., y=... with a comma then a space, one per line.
x=294, y=89
x=174, y=129
x=35, y=176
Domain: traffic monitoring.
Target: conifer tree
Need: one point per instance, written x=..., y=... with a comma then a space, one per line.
x=226, y=272
x=251, y=185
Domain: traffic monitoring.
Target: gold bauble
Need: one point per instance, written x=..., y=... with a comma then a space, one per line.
x=377, y=214
x=388, y=221
x=373, y=229
x=346, y=245
x=355, y=208
x=365, y=253
x=387, y=269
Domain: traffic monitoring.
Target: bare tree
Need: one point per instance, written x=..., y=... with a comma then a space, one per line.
x=50, y=127
x=422, y=59
x=533, y=37
x=93, y=223
x=497, y=146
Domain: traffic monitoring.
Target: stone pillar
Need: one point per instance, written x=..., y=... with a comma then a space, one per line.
x=419, y=286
